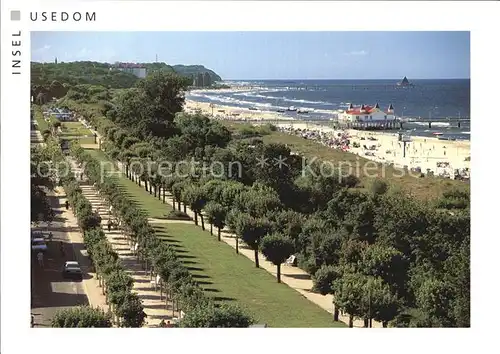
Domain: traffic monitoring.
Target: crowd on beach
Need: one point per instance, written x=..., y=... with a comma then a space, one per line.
x=419, y=156
x=427, y=156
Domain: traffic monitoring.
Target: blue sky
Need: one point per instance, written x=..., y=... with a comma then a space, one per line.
x=273, y=55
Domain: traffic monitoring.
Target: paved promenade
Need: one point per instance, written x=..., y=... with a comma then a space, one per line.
x=155, y=307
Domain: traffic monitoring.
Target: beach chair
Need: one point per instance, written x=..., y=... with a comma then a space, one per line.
x=291, y=261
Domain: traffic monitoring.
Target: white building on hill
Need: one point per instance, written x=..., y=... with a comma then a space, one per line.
x=135, y=69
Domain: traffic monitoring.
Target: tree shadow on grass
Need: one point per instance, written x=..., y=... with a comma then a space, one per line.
x=186, y=256
x=168, y=239
x=200, y=276
x=189, y=262
x=223, y=298
x=211, y=290
x=195, y=269
x=155, y=306
x=297, y=276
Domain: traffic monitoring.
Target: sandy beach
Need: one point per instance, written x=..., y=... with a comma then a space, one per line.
x=442, y=157
x=233, y=113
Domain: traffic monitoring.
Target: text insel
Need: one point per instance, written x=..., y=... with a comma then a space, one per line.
x=16, y=53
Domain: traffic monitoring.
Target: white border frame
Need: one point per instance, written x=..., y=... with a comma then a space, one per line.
x=479, y=17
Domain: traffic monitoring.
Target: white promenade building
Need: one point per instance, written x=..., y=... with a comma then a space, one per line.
x=366, y=114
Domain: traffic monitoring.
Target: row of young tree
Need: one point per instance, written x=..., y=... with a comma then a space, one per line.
x=179, y=286
x=382, y=254
x=116, y=283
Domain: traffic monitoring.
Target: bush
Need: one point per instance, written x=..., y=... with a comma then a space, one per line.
x=81, y=317
x=178, y=215
x=224, y=316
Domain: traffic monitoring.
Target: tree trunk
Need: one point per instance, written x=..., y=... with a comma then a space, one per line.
x=195, y=217
x=218, y=233
x=384, y=324
x=155, y=191
x=256, y=254
x=211, y=229
x=164, y=195
x=202, y=222
x=365, y=322
x=173, y=203
x=278, y=272
x=237, y=245
x=139, y=182
x=370, y=322
x=150, y=188
x=185, y=209
x=351, y=322
x=336, y=314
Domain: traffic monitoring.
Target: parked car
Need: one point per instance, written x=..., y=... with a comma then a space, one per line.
x=72, y=269
x=38, y=244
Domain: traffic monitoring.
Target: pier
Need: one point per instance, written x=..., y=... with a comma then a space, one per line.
x=457, y=121
x=393, y=124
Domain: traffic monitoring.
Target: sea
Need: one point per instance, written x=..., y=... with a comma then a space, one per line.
x=436, y=99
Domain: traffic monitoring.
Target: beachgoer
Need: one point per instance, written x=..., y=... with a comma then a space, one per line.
x=39, y=256
x=109, y=225
x=162, y=323
x=67, y=205
x=169, y=325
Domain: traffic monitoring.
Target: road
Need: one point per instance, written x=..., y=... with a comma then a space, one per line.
x=50, y=290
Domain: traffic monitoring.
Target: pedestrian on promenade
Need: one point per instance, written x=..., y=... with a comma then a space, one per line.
x=51, y=235
x=109, y=225
x=163, y=324
x=39, y=256
x=67, y=205
x=61, y=248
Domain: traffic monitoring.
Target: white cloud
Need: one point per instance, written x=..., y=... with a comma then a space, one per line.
x=42, y=49
x=83, y=53
x=357, y=52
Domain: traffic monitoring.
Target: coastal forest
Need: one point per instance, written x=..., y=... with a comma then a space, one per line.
x=384, y=254
x=50, y=80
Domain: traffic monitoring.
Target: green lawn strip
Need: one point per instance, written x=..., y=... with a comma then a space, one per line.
x=227, y=276
x=233, y=277
x=81, y=140
x=144, y=200
x=75, y=128
x=42, y=124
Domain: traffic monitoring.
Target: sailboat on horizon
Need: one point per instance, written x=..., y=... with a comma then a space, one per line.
x=405, y=83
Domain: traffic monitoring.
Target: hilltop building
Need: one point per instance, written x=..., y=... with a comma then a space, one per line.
x=131, y=68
